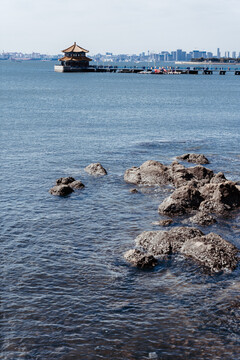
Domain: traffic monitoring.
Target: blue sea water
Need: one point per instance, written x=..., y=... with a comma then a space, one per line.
x=66, y=291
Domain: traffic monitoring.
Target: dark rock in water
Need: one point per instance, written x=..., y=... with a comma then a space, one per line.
x=65, y=185
x=181, y=201
x=202, y=218
x=179, y=174
x=95, y=169
x=154, y=173
x=149, y=173
x=201, y=174
x=61, y=190
x=65, y=180
x=220, y=198
x=133, y=191
x=133, y=175
x=140, y=259
x=217, y=198
x=77, y=184
x=211, y=251
x=194, y=158
x=166, y=242
x=166, y=222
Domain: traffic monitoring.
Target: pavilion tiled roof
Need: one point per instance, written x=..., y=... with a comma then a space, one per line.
x=75, y=48
x=75, y=58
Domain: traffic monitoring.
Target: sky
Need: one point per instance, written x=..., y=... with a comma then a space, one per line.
x=119, y=26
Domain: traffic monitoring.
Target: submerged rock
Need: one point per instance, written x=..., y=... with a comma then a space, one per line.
x=165, y=222
x=211, y=250
x=133, y=191
x=194, y=158
x=95, y=169
x=61, y=190
x=140, y=259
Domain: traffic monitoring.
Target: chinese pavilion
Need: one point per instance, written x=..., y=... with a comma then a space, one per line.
x=74, y=59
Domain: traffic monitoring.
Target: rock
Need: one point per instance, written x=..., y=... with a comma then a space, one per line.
x=139, y=259
x=202, y=218
x=194, y=158
x=165, y=242
x=154, y=173
x=211, y=251
x=133, y=175
x=133, y=191
x=61, y=190
x=95, y=169
x=65, y=180
x=221, y=198
x=179, y=174
x=182, y=200
x=77, y=184
x=166, y=222
x=218, y=178
x=201, y=174
x=149, y=173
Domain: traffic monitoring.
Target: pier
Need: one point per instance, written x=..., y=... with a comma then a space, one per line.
x=75, y=60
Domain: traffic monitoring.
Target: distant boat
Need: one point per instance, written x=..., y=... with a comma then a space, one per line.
x=145, y=72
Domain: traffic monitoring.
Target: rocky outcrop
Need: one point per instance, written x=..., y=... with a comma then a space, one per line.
x=139, y=259
x=95, y=169
x=211, y=250
x=165, y=242
x=181, y=201
x=216, y=198
x=155, y=173
x=65, y=185
x=194, y=158
x=149, y=173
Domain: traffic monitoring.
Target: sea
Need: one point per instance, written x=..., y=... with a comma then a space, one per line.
x=66, y=291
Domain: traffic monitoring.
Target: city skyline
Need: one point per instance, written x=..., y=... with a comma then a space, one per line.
x=120, y=27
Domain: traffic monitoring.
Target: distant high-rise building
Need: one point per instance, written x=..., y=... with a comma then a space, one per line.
x=234, y=54
x=218, y=53
x=227, y=54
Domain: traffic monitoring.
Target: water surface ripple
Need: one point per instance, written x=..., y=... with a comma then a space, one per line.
x=66, y=291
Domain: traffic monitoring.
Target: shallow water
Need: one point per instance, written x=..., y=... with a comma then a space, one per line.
x=66, y=291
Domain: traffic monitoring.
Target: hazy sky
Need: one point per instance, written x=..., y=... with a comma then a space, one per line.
x=119, y=26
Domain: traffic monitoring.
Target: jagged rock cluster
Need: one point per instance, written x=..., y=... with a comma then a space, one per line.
x=199, y=192
x=65, y=186
x=197, y=188
x=210, y=250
